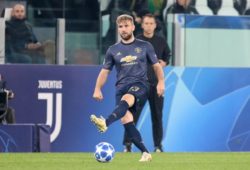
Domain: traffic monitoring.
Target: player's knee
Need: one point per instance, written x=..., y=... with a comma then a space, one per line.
x=128, y=117
x=129, y=98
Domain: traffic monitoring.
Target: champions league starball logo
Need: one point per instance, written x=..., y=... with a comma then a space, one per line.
x=7, y=143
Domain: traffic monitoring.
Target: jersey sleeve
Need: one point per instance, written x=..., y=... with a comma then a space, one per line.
x=151, y=56
x=108, y=62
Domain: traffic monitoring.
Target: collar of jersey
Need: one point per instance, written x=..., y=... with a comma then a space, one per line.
x=127, y=43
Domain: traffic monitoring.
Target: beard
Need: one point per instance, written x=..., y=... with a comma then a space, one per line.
x=126, y=37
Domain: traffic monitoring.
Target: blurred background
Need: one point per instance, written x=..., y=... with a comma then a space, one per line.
x=86, y=28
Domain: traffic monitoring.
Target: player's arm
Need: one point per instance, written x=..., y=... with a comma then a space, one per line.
x=160, y=77
x=101, y=79
x=162, y=63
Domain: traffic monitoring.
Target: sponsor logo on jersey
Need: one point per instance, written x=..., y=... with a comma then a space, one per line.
x=128, y=59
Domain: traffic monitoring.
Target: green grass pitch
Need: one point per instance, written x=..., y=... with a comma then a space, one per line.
x=126, y=161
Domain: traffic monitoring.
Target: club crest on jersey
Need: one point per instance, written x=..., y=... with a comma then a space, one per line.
x=128, y=59
x=138, y=50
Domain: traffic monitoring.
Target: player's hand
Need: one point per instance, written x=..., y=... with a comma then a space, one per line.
x=162, y=63
x=98, y=95
x=160, y=88
x=33, y=46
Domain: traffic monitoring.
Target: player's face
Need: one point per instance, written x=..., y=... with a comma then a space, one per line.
x=148, y=25
x=125, y=29
x=18, y=12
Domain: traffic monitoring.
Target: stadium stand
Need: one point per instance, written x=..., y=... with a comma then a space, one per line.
x=247, y=12
x=240, y=6
x=46, y=35
x=168, y=4
x=214, y=5
x=38, y=11
x=202, y=7
x=227, y=8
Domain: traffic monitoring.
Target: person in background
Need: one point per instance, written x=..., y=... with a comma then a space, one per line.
x=130, y=57
x=240, y=6
x=116, y=8
x=22, y=45
x=160, y=26
x=7, y=113
x=214, y=5
x=182, y=7
x=163, y=54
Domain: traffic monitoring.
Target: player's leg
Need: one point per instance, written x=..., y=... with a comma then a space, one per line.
x=140, y=93
x=135, y=136
x=120, y=110
x=126, y=140
x=126, y=102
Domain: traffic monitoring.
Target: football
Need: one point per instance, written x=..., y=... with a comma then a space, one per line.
x=104, y=152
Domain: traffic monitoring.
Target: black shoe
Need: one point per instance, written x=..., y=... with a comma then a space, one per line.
x=158, y=149
x=127, y=148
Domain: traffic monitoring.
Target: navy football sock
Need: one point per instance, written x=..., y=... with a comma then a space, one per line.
x=118, y=113
x=135, y=136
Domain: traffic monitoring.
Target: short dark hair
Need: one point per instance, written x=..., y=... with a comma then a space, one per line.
x=148, y=15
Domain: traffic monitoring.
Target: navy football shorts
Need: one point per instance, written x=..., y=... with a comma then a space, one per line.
x=138, y=90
